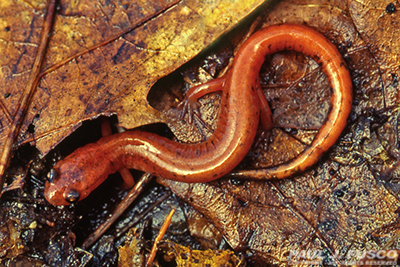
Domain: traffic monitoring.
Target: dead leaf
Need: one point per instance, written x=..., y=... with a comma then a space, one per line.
x=103, y=58
x=381, y=39
x=306, y=213
x=335, y=207
x=185, y=256
x=27, y=91
x=201, y=229
x=132, y=252
x=381, y=36
x=11, y=243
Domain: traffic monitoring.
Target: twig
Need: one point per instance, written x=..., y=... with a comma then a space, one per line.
x=132, y=195
x=159, y=237
x=143, y=214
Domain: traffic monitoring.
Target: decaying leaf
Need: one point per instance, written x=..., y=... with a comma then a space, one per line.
x=184, y=256
x=338, y=205
x=381, y=40
x=381, y=36
x=11, y=243
x=268, y=220
x=201, y=229
x=132, y=253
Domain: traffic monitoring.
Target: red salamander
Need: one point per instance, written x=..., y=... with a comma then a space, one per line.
x=242, y=102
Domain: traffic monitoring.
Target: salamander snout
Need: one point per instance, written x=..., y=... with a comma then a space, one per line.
x=73, y=178
x=65, y=185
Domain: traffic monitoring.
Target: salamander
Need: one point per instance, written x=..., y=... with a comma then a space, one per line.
x=242, y=104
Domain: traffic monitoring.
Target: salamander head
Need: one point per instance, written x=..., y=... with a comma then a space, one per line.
x=73, y=178
x=65, y=185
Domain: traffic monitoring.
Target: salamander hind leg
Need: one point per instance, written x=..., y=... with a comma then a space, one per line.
x=190, y=105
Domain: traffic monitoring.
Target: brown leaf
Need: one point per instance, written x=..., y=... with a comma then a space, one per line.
x=381, y=40
x=352, y=194
x=271, y=219
x=381, y=36
x=103, y=59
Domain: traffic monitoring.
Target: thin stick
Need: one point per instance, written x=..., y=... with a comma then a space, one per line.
x=143, y=214
x=132, y=195
x=159, y=237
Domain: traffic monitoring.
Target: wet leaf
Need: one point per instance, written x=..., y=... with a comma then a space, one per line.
x=11, y=243
x=184, y=256
x=132, y=252
x=201, y=229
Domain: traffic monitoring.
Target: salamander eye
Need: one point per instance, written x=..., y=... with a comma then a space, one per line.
x=72, y=196
x=52, y=176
